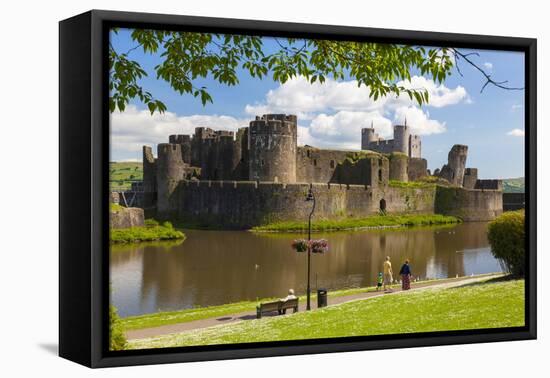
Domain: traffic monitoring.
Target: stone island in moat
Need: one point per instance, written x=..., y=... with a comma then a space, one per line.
x=261, y=175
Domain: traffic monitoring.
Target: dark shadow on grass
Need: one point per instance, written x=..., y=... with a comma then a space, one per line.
x=490, y=281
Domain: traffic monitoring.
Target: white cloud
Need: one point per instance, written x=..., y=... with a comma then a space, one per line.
x=330, y=115
x=439, y=95
x=516, y=133
x=488, y=66
x=339, y=110
x=134, y=128
x=343, y=129
x=419, y=121
x=298, y=96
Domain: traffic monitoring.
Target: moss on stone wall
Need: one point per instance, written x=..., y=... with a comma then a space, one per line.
x=397, y=155
x=354, y=157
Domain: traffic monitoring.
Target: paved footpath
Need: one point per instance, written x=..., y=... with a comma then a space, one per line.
x=233, y=318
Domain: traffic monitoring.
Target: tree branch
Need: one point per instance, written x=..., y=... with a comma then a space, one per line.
x=488, y=79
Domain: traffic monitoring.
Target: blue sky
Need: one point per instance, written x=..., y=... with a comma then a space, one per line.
x=331, y=115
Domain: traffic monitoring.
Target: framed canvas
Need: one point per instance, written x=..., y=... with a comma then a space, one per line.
x=236, y=188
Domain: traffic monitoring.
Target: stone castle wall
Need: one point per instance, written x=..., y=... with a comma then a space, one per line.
x=417, y=168
x=244, y=204
x=317, y=165
x=469, y=205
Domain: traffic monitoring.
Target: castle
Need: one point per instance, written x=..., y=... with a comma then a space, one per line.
x=259, y=174
x=403, y=141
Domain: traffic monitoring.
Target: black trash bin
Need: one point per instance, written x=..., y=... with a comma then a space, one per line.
x=321, y=298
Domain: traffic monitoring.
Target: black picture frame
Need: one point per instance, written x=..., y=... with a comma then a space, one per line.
x=83, y=196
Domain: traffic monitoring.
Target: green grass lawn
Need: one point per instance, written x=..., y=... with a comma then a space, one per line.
x=490, y=304
x=182, y=316
x=358, y=223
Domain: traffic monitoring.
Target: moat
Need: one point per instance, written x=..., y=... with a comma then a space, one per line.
x=217, y=267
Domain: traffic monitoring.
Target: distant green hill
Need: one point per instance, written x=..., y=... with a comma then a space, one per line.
x=514, y=185
x=121, y=174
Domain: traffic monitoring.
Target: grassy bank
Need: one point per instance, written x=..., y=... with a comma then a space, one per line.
x=174, y=317
x=490, y=304
x=188, y=315
x=376, y=221
x=152, y=231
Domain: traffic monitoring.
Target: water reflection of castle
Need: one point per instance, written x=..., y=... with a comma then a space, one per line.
x=242, y=265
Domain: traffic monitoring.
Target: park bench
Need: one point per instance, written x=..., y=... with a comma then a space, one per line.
x=279, y=306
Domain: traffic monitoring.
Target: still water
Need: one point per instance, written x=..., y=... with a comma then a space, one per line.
x=217, y=267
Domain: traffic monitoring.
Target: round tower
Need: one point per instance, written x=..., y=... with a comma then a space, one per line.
x=367, y=136
x=170, y=171
x=273, y=142
x=399, y=164
x=401, y=136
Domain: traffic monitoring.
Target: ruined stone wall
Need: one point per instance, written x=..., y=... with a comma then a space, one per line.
x=493, y=184
x=149, y=178
x=201, y=135
x=417, y=169
x=382, y=146
x=317, y=165
x=469, y=205
x=244, y=204
x=185, y=142
x=372, y=171
x=273, y=145
x=127, y=217
x=513, y=201
x=470, y=178
x=242, y=169
x=453, y=171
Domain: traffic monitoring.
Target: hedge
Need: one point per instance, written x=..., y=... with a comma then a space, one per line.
x=506, y=235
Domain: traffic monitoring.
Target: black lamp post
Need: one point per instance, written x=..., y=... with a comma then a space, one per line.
x=310, y=197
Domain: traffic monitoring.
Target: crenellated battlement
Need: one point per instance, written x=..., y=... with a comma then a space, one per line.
x=259, y=174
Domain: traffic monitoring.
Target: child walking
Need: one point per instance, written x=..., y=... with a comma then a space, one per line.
x=380, y=281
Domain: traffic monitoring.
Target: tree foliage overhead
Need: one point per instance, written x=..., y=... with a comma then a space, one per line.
x=188, y=57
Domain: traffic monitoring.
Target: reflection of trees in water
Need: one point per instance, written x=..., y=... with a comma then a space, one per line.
x=216, y=267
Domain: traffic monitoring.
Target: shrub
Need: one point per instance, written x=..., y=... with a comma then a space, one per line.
x=507, y=238
x=117, y=339
x=151, y=222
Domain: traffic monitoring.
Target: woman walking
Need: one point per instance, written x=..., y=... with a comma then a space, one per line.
x=405, y=273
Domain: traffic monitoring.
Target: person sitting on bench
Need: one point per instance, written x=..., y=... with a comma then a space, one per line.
x=287, y=298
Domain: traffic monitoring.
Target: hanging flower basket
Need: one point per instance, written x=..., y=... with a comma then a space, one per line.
x=299, y=245
x=319, y=246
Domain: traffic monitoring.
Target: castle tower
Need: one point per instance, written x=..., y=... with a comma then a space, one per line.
x=399, y=166
x=185, y=142
x=273, y=143
x=170, y=171
x=149, y=177
x=367, y=136
x=401, y=137
x=455, y=168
